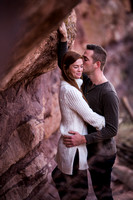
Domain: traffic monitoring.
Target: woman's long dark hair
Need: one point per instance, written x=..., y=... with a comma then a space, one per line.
x=69, y=58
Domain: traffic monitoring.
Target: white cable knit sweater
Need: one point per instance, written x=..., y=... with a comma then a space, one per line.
x=74, y=111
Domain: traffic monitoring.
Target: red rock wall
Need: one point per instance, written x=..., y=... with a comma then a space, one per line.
x=100, y=22
x=29, y=108
x=23, y=27
x=30, y=113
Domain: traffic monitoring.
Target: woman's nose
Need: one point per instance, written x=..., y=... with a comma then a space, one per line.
x=80, y=69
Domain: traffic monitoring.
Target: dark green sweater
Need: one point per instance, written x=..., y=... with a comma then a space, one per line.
x=103, y=100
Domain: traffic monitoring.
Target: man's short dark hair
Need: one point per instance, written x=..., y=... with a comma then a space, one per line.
x=100, y=54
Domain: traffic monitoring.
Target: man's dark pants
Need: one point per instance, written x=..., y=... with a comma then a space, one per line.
x=100, y=169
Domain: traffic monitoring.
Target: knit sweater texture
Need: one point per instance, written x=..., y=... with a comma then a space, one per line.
x=74, y=112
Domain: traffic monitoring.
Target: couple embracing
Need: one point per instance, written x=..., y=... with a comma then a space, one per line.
x=89, y=111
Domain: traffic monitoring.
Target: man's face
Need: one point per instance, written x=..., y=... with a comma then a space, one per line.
x=88, y=65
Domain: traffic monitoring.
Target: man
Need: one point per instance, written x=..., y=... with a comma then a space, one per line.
x=102, y=98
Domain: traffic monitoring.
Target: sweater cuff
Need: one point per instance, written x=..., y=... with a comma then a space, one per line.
x=89, y=139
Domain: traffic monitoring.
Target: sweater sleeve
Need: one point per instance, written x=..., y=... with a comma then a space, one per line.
x=111, y=114
x=77, y=103
x=62, y=49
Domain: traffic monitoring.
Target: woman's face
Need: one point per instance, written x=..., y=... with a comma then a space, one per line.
x=75, y=70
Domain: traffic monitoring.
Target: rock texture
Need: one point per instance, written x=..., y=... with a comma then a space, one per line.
x=125, y=144
x=101, y=22
x=125, y=175
x=27, y=112
x=23, y=26
x=29, y=108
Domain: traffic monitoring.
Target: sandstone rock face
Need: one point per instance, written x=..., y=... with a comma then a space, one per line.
x=101, y=22
x=29, y=87
x=23, y=26
x=30, y=114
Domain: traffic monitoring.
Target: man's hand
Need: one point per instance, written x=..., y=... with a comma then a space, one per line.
x=74, y=140
x=63, y=32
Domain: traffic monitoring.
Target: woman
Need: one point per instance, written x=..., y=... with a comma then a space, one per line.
x=74, y=112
